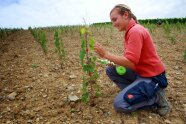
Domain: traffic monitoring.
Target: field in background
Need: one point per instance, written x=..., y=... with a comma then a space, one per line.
x=36, y=82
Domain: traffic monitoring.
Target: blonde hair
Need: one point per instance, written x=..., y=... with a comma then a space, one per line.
x=122, y=9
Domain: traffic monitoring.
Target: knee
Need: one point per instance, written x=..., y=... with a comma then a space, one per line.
x=121, y=106
x=117, y=106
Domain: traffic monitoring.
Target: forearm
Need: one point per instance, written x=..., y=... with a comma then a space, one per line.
x=119, y=60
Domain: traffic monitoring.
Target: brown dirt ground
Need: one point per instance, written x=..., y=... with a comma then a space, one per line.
x=42, y=91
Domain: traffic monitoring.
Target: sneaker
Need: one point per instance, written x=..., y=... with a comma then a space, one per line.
x=163, y=106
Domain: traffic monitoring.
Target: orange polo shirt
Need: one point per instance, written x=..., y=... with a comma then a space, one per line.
x=140, y=49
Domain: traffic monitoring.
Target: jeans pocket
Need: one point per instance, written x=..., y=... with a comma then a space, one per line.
x=143, y=91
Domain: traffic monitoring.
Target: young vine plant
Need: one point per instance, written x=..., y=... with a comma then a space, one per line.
x=59, y=45
x=40, y=37
x=90, y=89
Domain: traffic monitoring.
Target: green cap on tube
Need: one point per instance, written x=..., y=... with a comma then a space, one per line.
x=121, y=70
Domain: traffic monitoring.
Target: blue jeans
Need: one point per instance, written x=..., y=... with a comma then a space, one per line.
x=136, y=92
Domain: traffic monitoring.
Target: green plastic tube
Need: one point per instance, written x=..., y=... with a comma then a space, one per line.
x=121, y=70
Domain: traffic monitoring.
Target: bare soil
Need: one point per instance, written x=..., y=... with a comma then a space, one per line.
x=41, y=86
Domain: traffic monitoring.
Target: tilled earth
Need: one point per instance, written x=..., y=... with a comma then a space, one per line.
x=35, y=89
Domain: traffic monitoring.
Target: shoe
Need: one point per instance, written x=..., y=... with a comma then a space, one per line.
x=163, y=106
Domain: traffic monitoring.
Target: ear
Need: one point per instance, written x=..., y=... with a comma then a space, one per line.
x=126, y=15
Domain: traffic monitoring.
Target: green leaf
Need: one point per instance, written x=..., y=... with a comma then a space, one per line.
x=98, y=94
x=82, y=54
x=82, y=44
x=88, y=68
x=94, y=76
x=83, y=31
x=93, y=59
x=85, y=84
x=91, y=43
x=85, y=97
x=85, y=68
x=35, y=65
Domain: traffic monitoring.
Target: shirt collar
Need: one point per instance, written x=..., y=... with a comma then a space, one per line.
x=132, y=22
